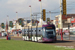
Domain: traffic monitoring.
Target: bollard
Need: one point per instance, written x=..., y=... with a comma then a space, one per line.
x=0, y=34
x=7, y=37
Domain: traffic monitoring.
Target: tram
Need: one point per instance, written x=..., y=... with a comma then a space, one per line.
x=44, y=33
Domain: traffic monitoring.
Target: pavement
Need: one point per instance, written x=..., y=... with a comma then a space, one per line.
x=65, y=37
x=2, y=37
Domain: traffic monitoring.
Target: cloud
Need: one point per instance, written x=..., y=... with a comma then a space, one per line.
x=23, y=5
x=9, y=7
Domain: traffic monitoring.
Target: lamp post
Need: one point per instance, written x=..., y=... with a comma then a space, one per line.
x=41, y=7
x=50, y=14
x=16, y=19
x=7, y=27
x=41, y=11
x=61, y=20
x=30, y=14
x=17, y=23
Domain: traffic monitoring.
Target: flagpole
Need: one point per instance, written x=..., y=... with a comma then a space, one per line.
x=16, y=19
x=61, y=27
x=41, y=11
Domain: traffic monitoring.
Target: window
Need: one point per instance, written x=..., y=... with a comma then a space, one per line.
x=50, y=32
x=32, y=30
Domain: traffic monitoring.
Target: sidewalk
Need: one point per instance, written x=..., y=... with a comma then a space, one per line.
x=2, y=37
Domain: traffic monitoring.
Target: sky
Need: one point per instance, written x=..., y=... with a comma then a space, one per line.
x=10, y=7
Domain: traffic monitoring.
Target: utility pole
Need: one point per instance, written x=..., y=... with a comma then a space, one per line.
x=16, y=19
x=31, y=14
x=61, y=21
x=41, y=11
x=50, y=14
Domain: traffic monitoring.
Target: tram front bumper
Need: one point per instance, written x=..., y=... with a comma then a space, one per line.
x=48, y=40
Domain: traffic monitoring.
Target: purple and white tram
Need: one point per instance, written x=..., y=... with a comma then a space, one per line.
x=46, y=33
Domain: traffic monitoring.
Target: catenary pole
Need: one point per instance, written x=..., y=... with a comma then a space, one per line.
x=61, y=27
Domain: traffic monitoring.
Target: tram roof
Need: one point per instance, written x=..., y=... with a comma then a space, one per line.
x=50, y=25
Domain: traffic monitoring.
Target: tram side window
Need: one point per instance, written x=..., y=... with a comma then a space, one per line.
x=32, y=30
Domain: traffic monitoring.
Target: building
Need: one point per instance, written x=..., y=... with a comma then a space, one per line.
x=66, y=20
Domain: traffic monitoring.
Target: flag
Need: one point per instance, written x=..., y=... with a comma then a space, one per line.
x=16, y=12
x=40, y=0
x=29, y=5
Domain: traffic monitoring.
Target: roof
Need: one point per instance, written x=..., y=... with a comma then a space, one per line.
x=68, y=16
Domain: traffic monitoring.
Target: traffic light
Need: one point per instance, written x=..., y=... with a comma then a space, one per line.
x=2, y=25
x=44, y=14
x=10, y=23
x=64, y=7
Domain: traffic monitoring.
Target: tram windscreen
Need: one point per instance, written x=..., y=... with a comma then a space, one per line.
x=50, y=33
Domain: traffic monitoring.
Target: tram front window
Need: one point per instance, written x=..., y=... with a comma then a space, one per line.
x=50, y=33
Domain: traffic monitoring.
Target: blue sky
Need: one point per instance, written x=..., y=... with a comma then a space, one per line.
x=9, y=7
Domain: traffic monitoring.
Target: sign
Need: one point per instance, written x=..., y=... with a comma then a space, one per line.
x=10, y=23
x=58, y=25
x=2, y=25
x=44, y=14
x=72, y=20
x=64, y=7
x=48, y=19
x=20, y=21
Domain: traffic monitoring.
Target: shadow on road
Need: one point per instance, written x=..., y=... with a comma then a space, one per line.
x=60, y=41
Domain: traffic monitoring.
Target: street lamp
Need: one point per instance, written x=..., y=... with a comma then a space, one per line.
x=50, y=14
x=41, y=11
x=7, y=28
x=17, y=23
x=30, y=14
x=61, y=20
